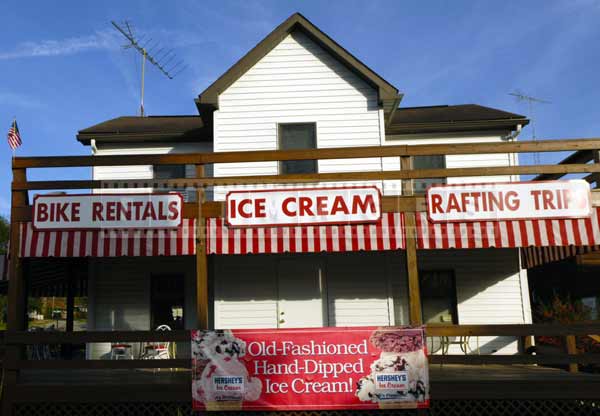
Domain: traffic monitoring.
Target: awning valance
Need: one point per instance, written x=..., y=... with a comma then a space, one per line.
x=109, y=243
x=386, y=234
x=537, y=256
x=508, y=234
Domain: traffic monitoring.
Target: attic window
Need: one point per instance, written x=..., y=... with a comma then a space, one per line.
x=297, y=136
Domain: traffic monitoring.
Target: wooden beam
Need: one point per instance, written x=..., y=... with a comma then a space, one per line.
x=102, y=364
x=581, y=156
x=571, y=344
x=309, y=154
x=515, y=330
x=412, y=270
x=563, y=359
x=406, y=164
x=17, y=298
x=304, y=178
x=83, y=337
x=596, y=159
x=201, y=260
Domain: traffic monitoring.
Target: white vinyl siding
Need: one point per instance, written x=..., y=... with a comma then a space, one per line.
x=296, y=82
x=356, y=290
x=245, y=292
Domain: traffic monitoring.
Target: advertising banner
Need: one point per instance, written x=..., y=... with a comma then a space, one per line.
x=509, y=201
x=310, y=369
x=114, y=211
x=309, y=206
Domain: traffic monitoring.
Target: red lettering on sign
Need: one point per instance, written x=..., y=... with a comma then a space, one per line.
x=174, y=212
x=321, y=205
x=42, y=212
x=305, y=206
x=436, y=204
x=362, y=206
x=241, y=208
x=260, y=207
x=97, y=211
x=340, y=205
x=75, y=208
x=285, y=207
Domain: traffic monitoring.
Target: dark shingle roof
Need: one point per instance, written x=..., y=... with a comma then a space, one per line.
x=452, y=118
x=152, y=128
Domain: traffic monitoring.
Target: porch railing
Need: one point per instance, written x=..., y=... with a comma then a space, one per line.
x=520, y=331
x=21, y=211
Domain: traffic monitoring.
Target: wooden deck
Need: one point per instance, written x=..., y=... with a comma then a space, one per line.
x=447, y=382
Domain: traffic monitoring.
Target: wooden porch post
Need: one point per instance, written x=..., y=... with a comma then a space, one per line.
x=596, y=176
x=201, y=259
x=16, y=296
x=412, y=271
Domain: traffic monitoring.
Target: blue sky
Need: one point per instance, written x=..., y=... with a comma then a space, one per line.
x=62, y=68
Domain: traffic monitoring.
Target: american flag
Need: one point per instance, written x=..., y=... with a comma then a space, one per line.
x=14, y=138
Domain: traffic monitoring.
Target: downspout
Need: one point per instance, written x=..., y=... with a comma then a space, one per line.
x=93, y=146
x=512, y=157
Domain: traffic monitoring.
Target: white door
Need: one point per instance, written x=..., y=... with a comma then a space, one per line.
x=300, y=293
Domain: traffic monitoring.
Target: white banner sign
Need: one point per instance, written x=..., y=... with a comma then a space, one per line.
x=107, y=211
x=509, y=201
x=303, y=206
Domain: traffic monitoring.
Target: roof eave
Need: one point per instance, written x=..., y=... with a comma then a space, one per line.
x=187, y=136
x=210, y=96
x=456, y=126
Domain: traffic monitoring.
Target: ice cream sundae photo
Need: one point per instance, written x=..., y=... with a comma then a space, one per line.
x=400, y=373
x=220, y=380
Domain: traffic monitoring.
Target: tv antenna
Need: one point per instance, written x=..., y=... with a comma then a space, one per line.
x=531, y=102
x=162, y=58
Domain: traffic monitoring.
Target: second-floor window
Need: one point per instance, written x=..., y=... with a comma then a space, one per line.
x=428, y=162
x=294, y=136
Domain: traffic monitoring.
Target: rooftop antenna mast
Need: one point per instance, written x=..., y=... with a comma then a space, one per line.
x=531, y=101
x=151, y=51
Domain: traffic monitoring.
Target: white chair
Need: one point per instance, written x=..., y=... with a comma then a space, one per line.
x=120, y=351
x=158, y=350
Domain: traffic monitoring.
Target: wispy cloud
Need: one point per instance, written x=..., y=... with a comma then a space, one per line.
x=20, y=100
x=108, y=40
x=100, y=40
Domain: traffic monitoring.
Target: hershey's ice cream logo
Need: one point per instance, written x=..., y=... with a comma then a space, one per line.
x=229, y=384
x=397, y=381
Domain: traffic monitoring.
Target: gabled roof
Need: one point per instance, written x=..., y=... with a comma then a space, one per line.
x=148, y=129
x=448, y=118
x=388, y=94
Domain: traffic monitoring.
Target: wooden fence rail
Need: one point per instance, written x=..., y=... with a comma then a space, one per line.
x=22, y=338
x=333, y=153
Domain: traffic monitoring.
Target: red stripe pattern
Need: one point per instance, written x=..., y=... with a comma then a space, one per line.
x=508, y=234
x=109, y=243
x=386, y=234
x=536, y=256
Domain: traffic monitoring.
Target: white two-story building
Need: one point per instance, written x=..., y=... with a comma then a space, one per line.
x=299, y=89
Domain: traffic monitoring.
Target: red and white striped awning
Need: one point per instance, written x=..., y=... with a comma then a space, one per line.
x=386, y=234
x=508, y=234
x=536, y=256
x=109, y=243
